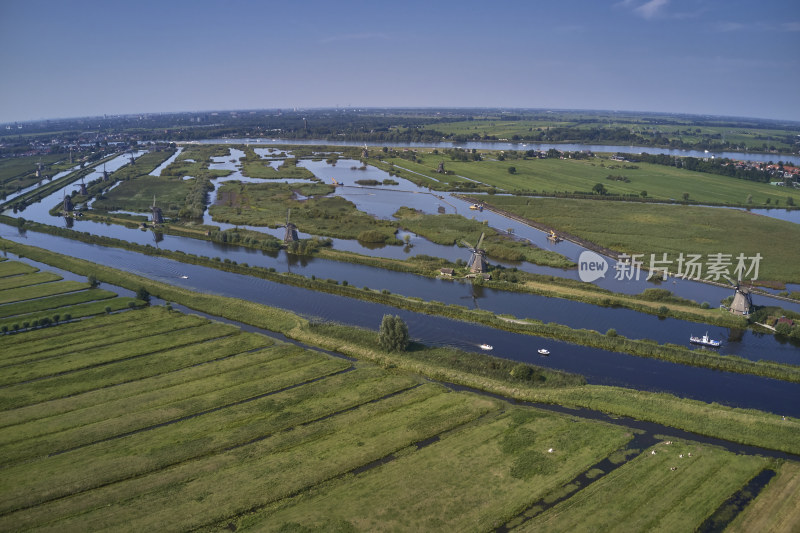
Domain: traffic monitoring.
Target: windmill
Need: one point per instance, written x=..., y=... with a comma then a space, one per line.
x=158, y=216
x=477, y=261
x=133, y=161
x=742, y=301
x=67, y=204
x=105, y=173
x=291, y=229
x=83, y=188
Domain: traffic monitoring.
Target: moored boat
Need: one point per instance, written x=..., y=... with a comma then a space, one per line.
x=486, y=347
x=543, y=351
x=705, y=340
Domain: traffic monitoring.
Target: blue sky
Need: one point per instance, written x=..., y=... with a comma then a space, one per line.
x=720, y=57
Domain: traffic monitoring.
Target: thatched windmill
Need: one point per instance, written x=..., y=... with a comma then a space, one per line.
x=477, y=261
x=742, y=301
x=158, y=216
x=83, y=188
x=105, y=173
x=291, y=230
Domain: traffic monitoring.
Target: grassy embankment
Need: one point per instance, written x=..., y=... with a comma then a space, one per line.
x=641, y=348
x=737, y=425
x=657, y=229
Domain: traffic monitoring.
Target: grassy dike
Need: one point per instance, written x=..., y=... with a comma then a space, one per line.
x=745, y=426
x=638, y=347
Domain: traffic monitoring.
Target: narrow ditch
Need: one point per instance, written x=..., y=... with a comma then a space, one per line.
x=739, y=500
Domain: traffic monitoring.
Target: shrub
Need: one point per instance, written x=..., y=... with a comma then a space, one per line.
x=611, y=333
x=108, y=309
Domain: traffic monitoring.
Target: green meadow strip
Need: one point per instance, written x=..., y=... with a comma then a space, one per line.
x=109, y=354
x=220, y=355
x=14, y=268
x=64, y=346
x=173, y=404
x=54, y=302
x=12, y=282
x=39, y=291
x=74, y=311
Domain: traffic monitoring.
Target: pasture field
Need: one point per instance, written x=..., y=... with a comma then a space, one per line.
x=156, y=420
x=647, y=495
x=670, y=229
x=775, y=509
x=558, y=176
x=465, y=481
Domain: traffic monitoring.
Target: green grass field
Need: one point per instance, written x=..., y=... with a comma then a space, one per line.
x=550, y=176
x=671, y=229
x=647, y=495
x=155, y=420
x=137, y=195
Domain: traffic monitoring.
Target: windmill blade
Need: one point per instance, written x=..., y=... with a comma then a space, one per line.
x=468, y=245
x=480, y=241
x=733, y=283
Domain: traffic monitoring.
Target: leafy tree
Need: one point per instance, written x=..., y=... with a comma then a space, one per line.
x=643, y=194
x=512, y=170
x=143, y=295
x=599, y=188
x=685, y=196
x=783, y=328
x=93, y=281
x=789, y=201
x=393, y=336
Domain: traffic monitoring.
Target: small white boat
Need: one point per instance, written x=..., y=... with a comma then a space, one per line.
x=486, y=347
x=184, y=277
x=704, y=340
x=542, y=351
